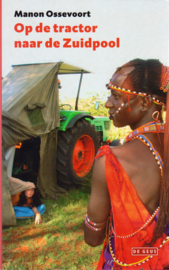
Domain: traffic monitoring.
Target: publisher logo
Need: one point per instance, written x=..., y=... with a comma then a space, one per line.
x=142, y=251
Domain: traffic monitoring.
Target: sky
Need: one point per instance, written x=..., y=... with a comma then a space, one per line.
x=141, y=26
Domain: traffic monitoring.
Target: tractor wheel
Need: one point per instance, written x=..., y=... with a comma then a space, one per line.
x=76, y=150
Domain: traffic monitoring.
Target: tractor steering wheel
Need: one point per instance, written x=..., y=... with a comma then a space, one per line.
x=63, y=105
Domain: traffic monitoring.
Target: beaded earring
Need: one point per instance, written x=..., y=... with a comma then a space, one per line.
x=155, y=116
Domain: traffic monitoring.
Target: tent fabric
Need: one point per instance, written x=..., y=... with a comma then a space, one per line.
x=30, y=106
x=16, y=185
x=14, y=130
x=8, y=214
x=47, y=178
x=9, y=157
x=28, y=85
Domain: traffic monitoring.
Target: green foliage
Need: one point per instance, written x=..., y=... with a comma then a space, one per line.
x=88, y=104
x=118, y=133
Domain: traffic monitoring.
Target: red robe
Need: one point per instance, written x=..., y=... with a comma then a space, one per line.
x=129, y=215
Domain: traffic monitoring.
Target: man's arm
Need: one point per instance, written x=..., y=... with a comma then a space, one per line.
x=99, y=205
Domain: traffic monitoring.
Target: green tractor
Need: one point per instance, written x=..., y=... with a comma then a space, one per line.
x=80, y=135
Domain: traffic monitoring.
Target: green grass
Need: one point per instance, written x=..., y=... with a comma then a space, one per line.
x=57, y=243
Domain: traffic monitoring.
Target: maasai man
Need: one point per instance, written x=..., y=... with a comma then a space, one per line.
x=129, y=203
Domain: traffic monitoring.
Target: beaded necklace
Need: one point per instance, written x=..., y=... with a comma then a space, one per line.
x=132, y=234
x=150, y=127
x=160, y=164
x=135, y=263
x=136, y=134
x=156, y=155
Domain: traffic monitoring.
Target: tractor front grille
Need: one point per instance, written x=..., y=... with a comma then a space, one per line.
x=98, y=128
x=107, y=125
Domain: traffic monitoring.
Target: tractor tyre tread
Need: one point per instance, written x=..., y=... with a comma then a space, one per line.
x=66, y=175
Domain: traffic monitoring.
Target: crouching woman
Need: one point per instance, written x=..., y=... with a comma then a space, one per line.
x=26, y=200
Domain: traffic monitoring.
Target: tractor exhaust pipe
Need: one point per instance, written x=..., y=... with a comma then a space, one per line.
x=78, y=92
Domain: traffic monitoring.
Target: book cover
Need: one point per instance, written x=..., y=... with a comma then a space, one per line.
x=94, y=35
